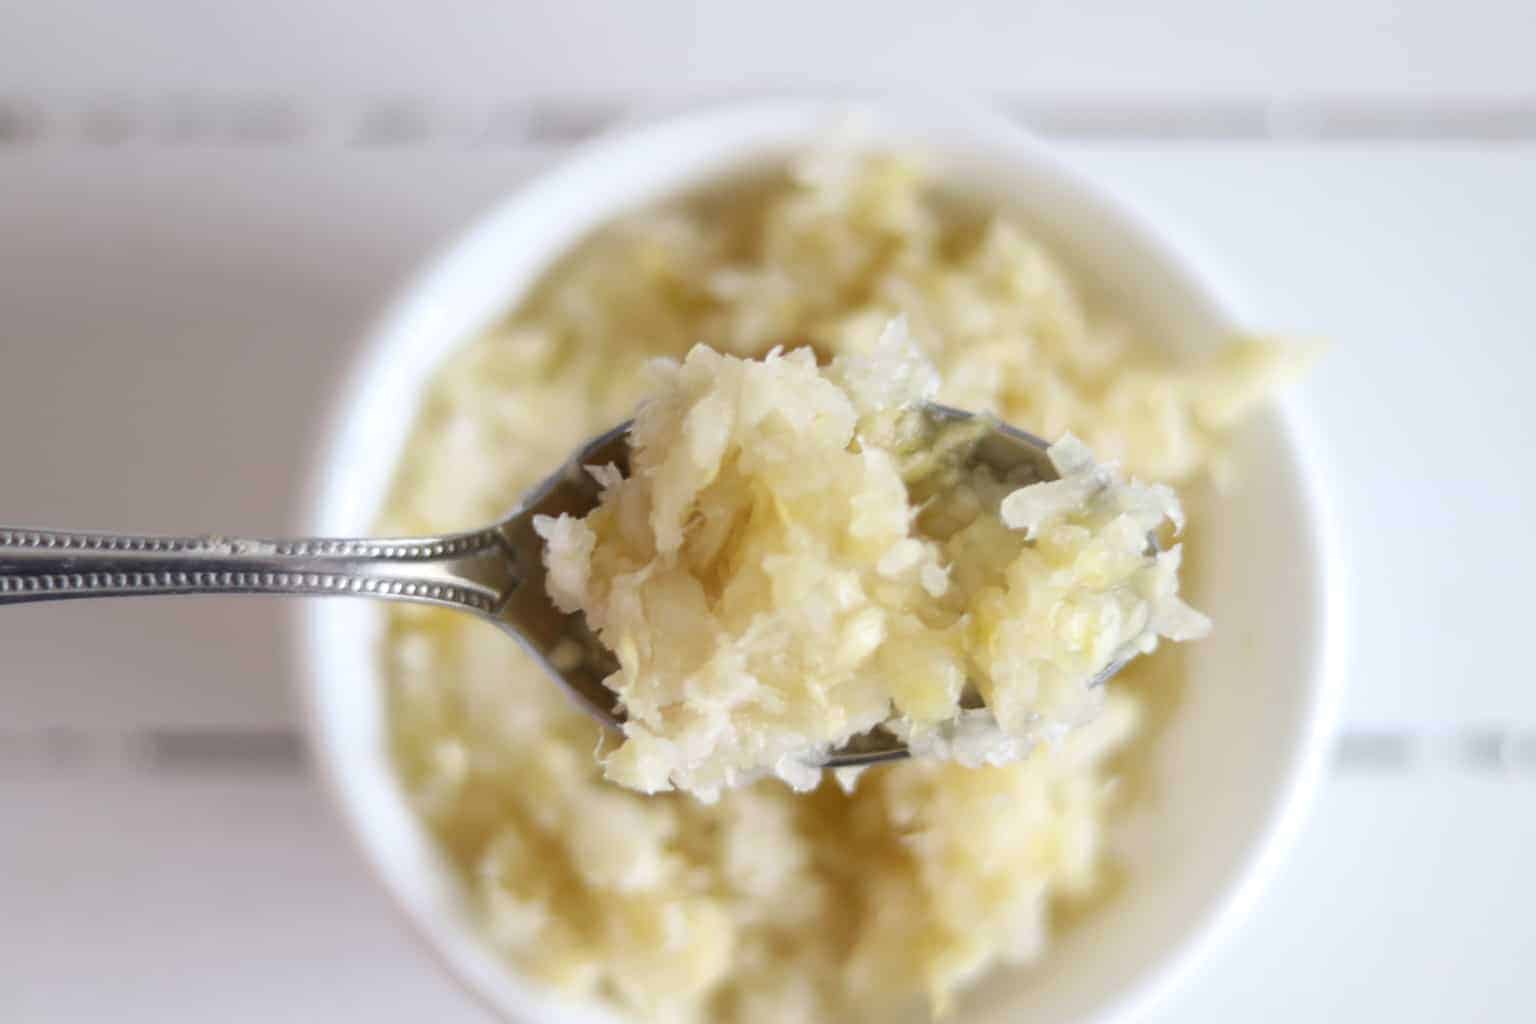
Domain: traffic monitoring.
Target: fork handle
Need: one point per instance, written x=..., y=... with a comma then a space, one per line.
x=473, y=571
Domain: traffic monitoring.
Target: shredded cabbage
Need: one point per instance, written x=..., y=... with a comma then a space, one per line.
x=770, y=906
x=771, y=588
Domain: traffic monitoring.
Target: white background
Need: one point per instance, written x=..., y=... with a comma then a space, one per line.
x=202, y=205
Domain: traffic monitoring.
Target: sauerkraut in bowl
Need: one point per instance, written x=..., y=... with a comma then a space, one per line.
x=1063, y=881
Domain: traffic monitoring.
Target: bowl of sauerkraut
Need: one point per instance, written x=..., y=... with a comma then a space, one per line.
x=1082, y=882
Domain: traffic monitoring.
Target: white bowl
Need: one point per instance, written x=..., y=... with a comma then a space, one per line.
x=1232, y=771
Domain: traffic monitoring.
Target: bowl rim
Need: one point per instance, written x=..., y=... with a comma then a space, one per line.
x=467, y=957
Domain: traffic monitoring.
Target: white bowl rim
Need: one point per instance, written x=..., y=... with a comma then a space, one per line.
x=467, y=957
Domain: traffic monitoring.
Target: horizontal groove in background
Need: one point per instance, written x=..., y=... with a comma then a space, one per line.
x=1492, y=751
x=202, y=750
x=65, y=752
x=404, y=122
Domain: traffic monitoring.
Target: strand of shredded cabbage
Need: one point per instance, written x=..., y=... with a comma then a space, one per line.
x=771, y=906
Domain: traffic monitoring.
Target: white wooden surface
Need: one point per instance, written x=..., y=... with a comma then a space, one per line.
x=477, y=48
x=202, y=205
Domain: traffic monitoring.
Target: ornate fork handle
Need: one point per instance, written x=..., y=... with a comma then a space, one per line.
x=474, y=571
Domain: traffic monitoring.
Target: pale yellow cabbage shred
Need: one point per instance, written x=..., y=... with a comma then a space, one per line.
x=769, y=906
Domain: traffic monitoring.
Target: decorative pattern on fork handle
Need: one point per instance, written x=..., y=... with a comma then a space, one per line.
x=473, y=571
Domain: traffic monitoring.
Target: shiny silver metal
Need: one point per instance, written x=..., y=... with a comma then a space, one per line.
x=496, y=573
